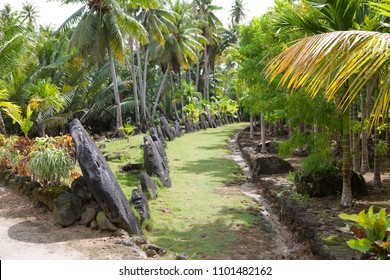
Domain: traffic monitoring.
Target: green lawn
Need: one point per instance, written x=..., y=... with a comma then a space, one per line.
x=195, y=216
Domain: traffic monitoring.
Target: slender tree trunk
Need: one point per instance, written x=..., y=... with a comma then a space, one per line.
x=144, y=80
x=142, y=90
x=251, y=131
x=355, y=149
x=262, y=124
x=346, y=196
x=365, y=100
x=226, y=80
x=131, y=67
x=197, y=74
x=206, y=75
x=119, y=123
x=172, y=92
x=377, y=170
x=2, y=125
x=160, y=90
x=197, y=71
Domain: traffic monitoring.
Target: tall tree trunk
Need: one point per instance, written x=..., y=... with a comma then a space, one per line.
x=172, y=92
x=365, y=100
x=142, y=90
x=206, y=75
x=251, y=130
x=131, y=67
x=197, y=74
x=346, y=195
x=355, y=149
x=160, y=90
x=226, y=80
x=145, y=81
x=377, y=170
x=119, y=123
x=262, y=125
x=197, y=71
x=2, y=125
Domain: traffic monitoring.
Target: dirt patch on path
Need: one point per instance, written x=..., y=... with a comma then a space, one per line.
x=28, y=232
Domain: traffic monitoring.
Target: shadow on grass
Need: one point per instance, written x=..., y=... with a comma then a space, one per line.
x=215, y=240
x=216, y=168
x=210, y=147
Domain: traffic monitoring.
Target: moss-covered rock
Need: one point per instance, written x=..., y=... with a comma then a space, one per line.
x=47, y=195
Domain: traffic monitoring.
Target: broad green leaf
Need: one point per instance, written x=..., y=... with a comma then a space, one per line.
x=362, y=245
x=353, y=217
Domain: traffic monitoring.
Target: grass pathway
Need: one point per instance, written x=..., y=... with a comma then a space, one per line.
x=203, y=212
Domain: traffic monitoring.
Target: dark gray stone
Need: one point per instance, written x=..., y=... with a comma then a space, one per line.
x=167, y=130
x=159, y=144
x=189, y=126
x=329, y=183
x=141, y=204
x=148, y=186
x=67, y=209
x=89, y=214
x=209, y=118
x=80, y=189
x=270, y=165
x=202, y=122
x=161, y=136
x=154, y=163
x=101, y=180
x=178, y=131
x=103, y=222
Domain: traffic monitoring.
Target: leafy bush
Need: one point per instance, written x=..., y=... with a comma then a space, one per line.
x=47, y=159
x=372, y=233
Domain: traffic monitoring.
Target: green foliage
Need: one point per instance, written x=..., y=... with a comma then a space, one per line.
x=319, y=159
x=25, y=123
x=50, y=165
x=381, y=147
x=128, y=128
x=372, y=232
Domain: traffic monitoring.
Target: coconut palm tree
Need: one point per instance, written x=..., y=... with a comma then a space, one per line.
x=180, y=46
x=330, y=60
x=209, y=24
x=15, y=44
x=99, y=32
x=324, y=16
x=237, y=13
x=29, y=13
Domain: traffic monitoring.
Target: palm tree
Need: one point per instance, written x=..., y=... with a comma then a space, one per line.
x=45, y=99
x=237, y=13
x=7, y=16
x=181, y=44
x=209, y=24
x=15, y=44
x=338, y=15
x=29, y=13
x=330, y=60
x=99, y=33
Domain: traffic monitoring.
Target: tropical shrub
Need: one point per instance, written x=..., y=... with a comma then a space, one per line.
x=50, y=165
x=45, y=159
x=128, y=128
x=372, y=233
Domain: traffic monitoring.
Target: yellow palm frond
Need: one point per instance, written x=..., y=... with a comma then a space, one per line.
x=327, y=62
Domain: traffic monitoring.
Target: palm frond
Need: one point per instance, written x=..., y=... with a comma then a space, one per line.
x=329, y=61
